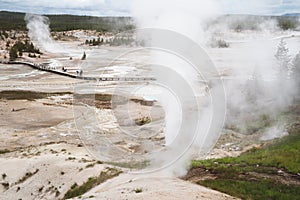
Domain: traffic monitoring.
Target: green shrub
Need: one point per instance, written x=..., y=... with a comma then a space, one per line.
x=138, y=190
x=3, y=151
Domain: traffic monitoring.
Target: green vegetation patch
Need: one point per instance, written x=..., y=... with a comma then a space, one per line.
x=4, y=151
x=270, y=172
x=27, y=95
x=138, y=190
x=264, y=189
x=131, y=165
x=283, y=153
x=27, y=176
x=77, y=190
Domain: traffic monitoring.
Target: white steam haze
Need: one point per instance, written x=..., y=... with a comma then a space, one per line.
x=39, y=33
x=186, y=18
x=257, y=87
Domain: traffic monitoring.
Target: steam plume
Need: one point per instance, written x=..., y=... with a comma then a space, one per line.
x=186, y=18
x=39, y=33
x=252, y=92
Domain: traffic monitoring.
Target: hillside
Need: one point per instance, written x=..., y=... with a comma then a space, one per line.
x=292, y=14
x=15, y=20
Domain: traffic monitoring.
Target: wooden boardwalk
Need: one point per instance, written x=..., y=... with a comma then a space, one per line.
x=62, y=73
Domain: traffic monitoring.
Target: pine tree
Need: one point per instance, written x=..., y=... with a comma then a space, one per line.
x=296, y=71
x=296, y=62
x=7, y=44
x=83, y=56
x=13, y=54
x=31, y=48
x=283, y=59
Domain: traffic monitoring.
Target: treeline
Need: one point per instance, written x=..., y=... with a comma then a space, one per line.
x=116, y=41
x=254, y=22
x=95, y=42
x=15, y=21
x=19, y=47
x=101, y=24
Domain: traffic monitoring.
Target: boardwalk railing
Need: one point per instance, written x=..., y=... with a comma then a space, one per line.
x=51, y=70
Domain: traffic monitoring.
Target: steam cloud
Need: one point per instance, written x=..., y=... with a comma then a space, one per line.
x=39, y=33
x=256, y=78
x=186, y=18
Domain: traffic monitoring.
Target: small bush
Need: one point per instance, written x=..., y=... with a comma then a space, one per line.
x=138, y=190
x=41, y=189
x=222, y=44
x=5, y=185
x=218, y=43
x=3, y=151
x=71, y=158
x=90, y=165
x=142, y=121
x=74, y=186
x=57, y=193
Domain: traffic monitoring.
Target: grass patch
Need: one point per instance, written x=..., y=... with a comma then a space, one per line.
x=283, y=153
x=4, y=151
x=131, y=165
x=28, y=95
x=77, y=190
x=256, y=174
x=264, y=189
x=103, y=97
